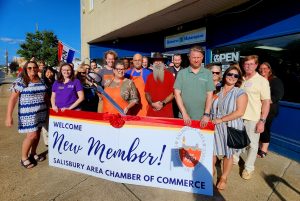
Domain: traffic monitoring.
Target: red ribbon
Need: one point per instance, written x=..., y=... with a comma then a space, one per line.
x=116, y=120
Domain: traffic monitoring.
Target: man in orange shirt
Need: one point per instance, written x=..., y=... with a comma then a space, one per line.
x=107, y=73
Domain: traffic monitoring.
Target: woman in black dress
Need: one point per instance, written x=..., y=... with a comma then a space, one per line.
x=277, y=92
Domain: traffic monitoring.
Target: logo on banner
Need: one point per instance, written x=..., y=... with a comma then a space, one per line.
x=190, y=152
x=190, y=156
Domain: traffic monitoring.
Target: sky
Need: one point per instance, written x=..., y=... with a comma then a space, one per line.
x=18, y=17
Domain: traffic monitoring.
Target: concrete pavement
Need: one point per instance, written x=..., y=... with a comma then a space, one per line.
x=275, y=178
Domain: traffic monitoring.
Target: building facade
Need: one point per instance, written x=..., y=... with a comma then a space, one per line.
x=227, y=29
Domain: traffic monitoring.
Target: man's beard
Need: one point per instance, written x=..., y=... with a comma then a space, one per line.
x=159, y=73
x=177, y=65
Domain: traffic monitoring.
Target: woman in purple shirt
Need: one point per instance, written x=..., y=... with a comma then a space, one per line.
x=67, y=92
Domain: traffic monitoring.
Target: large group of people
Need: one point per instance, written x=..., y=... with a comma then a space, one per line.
x=228, y=98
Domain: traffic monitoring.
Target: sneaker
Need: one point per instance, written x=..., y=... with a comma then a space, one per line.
x=247, y=175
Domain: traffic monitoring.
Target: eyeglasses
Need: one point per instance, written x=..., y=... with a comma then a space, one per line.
x=217, y=73
x=233, y=74
x=82, y=73
x=32, y=68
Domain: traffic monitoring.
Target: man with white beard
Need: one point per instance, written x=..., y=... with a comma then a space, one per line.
x=159, y=89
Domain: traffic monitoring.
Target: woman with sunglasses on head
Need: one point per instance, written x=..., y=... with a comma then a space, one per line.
x=91, y=99
x=228, y=108
x=67, y=92
x=121, y=89
x=277, y=92
x=30, y=91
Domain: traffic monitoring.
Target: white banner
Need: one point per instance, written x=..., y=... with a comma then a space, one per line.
x=147, y=151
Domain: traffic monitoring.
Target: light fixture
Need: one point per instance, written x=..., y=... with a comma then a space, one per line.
x=269, y=48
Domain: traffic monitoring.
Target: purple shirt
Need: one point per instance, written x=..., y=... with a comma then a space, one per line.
x=66, y=94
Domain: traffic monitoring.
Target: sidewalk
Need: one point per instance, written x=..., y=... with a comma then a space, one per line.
x=275, y=178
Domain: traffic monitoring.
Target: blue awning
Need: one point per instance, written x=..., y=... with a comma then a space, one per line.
x=285, y=27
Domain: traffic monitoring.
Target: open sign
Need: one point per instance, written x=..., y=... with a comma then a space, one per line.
x=226, y=57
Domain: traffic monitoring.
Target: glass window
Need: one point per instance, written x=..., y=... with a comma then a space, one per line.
x=283, y=53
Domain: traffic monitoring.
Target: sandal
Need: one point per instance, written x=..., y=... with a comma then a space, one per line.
x=37, y=158
x=26, y=163
x=261, y=154
x=222, y=183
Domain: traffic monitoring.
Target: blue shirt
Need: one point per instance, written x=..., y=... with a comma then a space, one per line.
x=146, y=73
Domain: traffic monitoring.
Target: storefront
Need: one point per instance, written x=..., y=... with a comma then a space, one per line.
x=275, y=39
x=270, y=30
x=281, y=52
x=169, y=45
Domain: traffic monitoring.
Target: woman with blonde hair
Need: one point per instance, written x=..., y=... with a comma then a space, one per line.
x=91, y=99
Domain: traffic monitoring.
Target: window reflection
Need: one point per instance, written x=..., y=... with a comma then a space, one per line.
x=283, y=55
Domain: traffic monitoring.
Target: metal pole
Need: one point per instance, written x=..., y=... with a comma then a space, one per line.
x=6, y=60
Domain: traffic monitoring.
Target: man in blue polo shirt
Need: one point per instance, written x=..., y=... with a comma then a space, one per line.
x=194, y=88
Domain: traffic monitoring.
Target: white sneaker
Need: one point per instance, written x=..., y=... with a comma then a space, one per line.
x=247, y=175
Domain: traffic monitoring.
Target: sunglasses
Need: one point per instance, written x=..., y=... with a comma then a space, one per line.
x=233, y=75
x=30, y=68
x=217, y=73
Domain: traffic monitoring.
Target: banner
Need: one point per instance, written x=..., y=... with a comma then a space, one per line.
x=157, y=152
x=65, y=53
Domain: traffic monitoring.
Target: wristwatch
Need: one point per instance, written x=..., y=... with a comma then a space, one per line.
x=164, y=103
x=262, y=120
x=206, y=114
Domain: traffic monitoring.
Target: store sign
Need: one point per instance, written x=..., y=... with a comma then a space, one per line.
x=190, y=37
x=156, y=152
x=226, y=57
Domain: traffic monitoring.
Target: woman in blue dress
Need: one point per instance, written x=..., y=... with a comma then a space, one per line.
x=228, y=107
x=30, y=91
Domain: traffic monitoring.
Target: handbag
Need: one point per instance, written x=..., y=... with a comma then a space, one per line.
x=237, y=139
